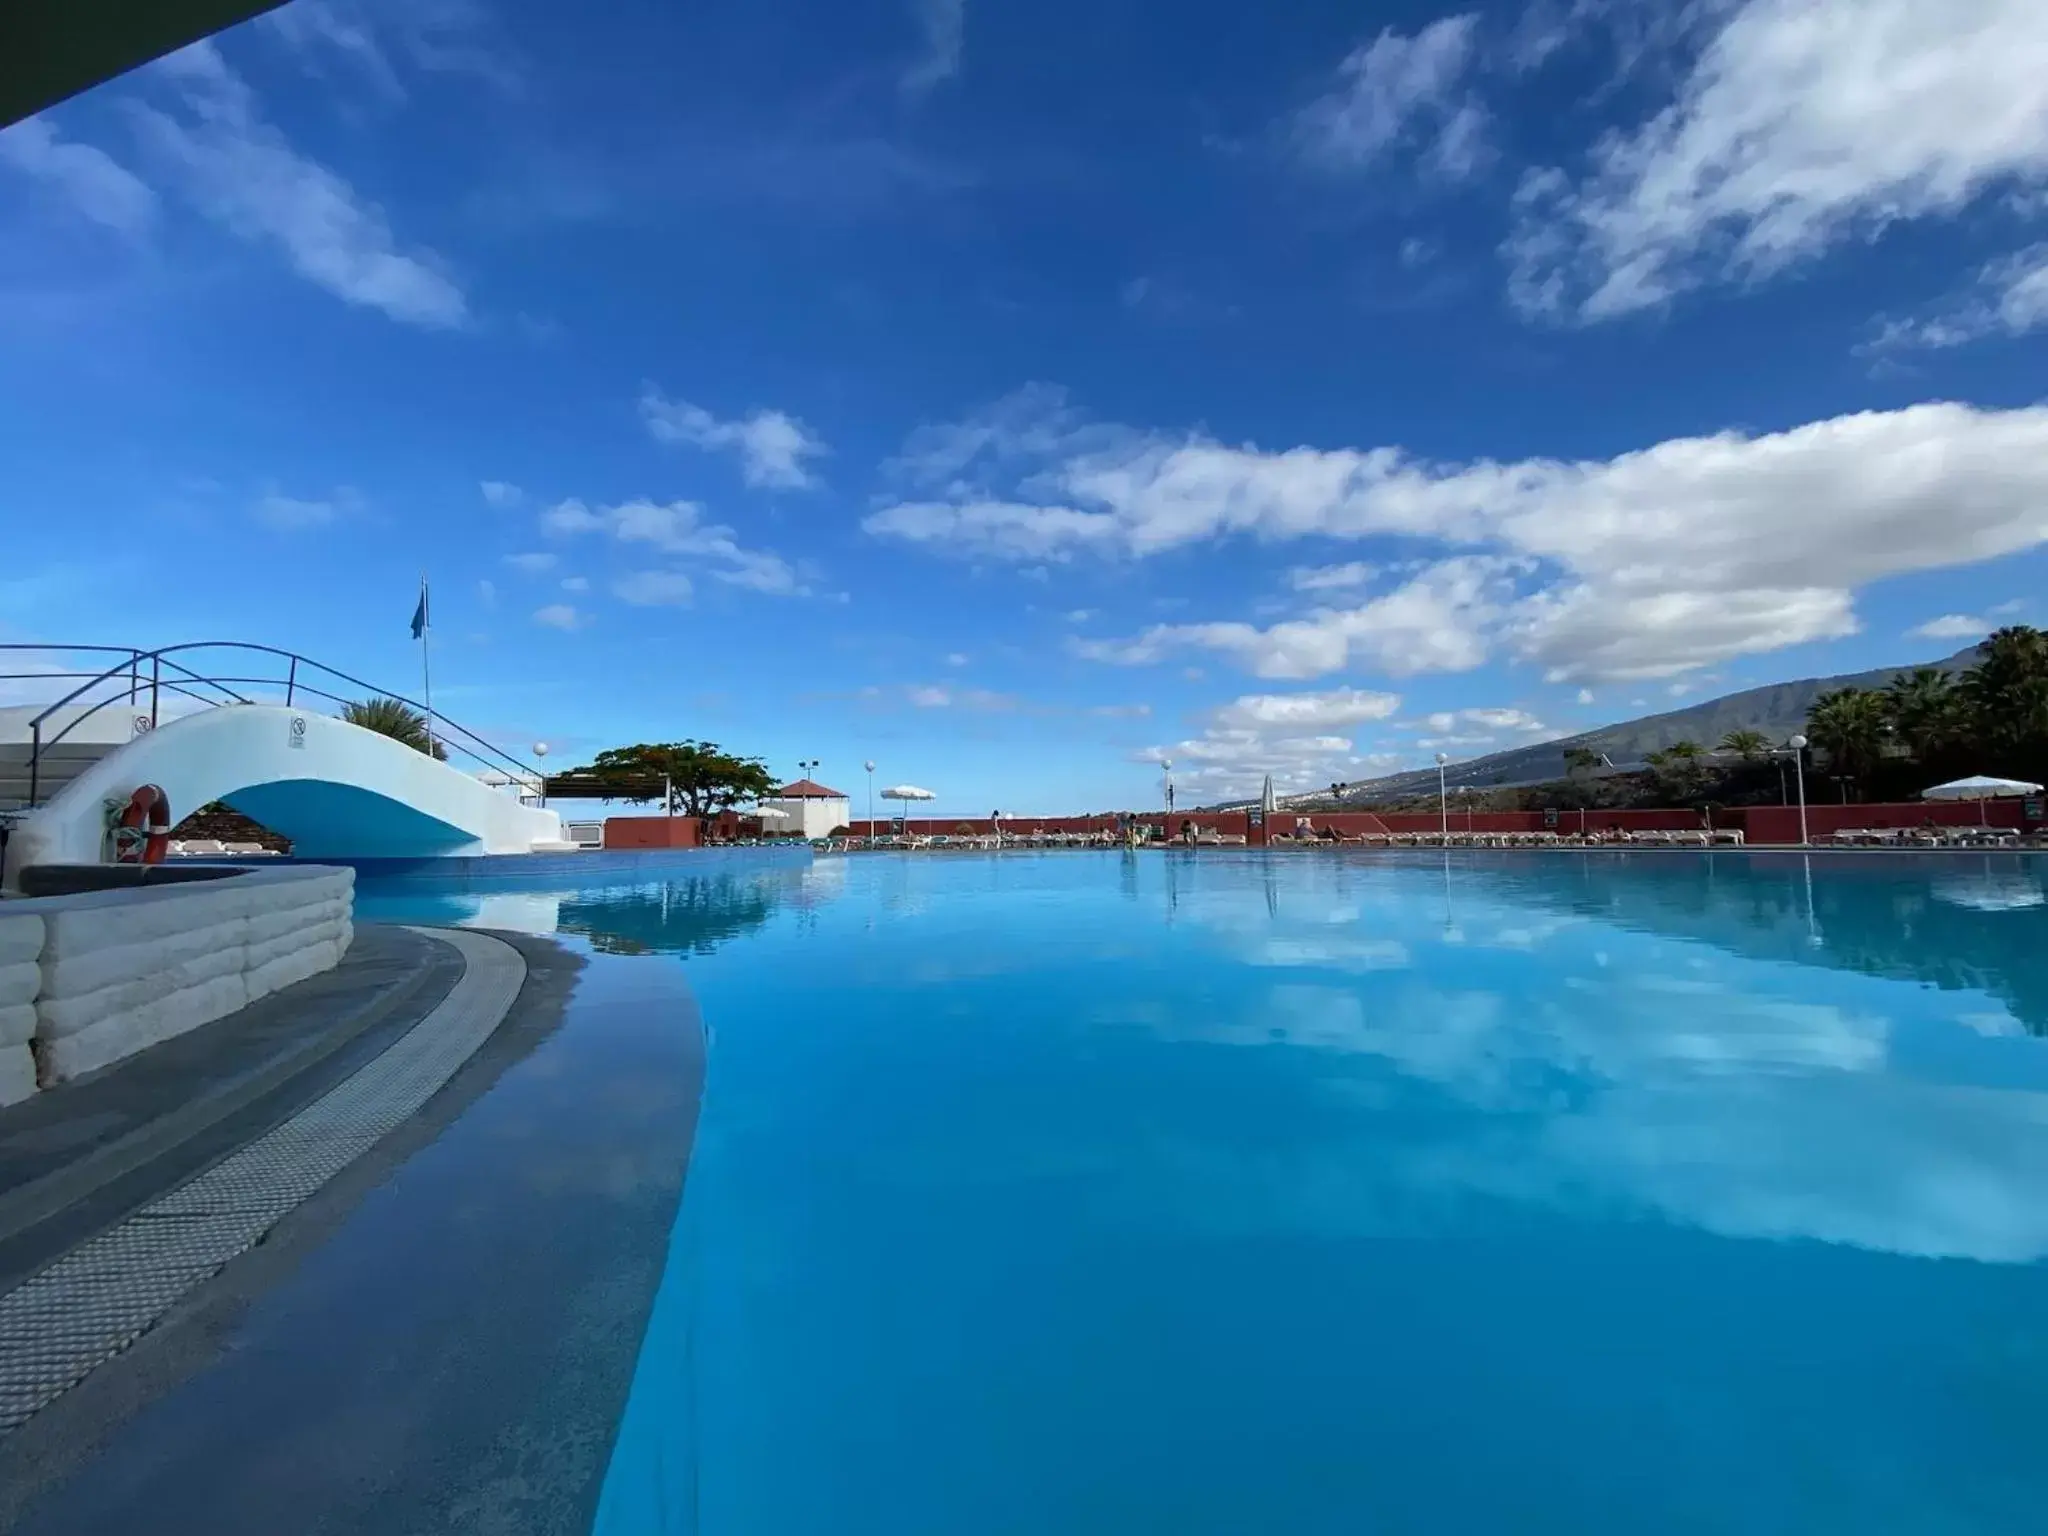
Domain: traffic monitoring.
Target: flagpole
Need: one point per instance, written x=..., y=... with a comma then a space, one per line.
x=426, y=668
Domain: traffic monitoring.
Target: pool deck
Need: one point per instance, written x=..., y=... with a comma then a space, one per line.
x=440, y=1335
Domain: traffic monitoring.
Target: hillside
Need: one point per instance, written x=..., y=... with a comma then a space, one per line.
x=1776, y=709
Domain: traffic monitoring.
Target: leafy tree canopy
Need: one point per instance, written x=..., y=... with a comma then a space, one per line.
x=703, y=778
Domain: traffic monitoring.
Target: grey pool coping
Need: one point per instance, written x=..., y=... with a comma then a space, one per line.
x=323, y=1380
x=69, y=1318
x=77, y=1157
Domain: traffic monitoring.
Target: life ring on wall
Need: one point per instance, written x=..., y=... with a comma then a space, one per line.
x=142, y=835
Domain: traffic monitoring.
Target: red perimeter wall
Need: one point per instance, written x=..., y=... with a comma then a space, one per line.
x=652, y=832
x=1757, y=823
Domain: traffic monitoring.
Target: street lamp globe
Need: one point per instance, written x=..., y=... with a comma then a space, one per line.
x=540, y=749
x=1797, y=743
x=869, y=765
x=1442, y=758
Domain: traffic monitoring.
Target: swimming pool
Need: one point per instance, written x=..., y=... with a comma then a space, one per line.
x=1224, y=1192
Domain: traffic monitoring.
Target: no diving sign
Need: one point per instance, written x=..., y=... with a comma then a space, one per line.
x=298, y=736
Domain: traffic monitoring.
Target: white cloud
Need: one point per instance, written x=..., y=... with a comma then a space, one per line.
x=575, y=583
x=956, y=658
x=500, y=493
x=678, y=528
x=1121, y=711
x=772, y=445
x=454, y=37
x=558, y=616
x=930, y=698
x=91, y=180
x=532, y=562
x=243, y=173
x=487, y=592
x=2008, y=298
x=1585, y=696
x=1802, y=124
x=1308, y=711
x=942, y=25
x=1952, y=626
x=311, y=28
x=1397, y=91
x=1333, y=578
x=1435, y=623
x=652, y=589
x=1679, y=555
x=1010, y=530
x=292, y=514
x=1505, y=720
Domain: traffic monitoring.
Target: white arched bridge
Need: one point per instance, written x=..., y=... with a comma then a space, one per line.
x=258, y=744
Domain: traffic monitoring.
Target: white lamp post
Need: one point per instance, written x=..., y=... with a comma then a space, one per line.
x=871, y=800
x=1166, y=769
x=540, y=750
x=1798, y=746
x=1443, y=796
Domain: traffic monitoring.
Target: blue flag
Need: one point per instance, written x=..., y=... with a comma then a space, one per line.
x=419, y=614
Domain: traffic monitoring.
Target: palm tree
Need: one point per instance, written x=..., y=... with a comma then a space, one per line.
x=2006, y=696
x=401, y=722
x=1922, y=704
x=1850, y=725
x=1746, y=744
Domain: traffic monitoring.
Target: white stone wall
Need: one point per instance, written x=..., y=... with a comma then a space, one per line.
x=21, y=946
x=115, y=972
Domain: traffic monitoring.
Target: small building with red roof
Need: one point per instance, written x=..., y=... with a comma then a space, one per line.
x=809, y=809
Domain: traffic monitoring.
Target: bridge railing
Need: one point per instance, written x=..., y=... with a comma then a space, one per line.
x=141, y=676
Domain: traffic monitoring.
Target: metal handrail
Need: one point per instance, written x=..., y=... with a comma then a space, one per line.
x=129, y=672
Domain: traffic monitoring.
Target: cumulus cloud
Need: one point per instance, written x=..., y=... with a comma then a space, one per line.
x=94, y=183
x=1292, y=736
x=1802, y=124
x=1437, y=622
x=1308, y=711
x=501, y=493
x=558, y=616
x=1952, y=626
x=772, y=445
x=242, y=173
x=1674, y=556
x=1400, y=91
x=679, y=528
x=1333, y=578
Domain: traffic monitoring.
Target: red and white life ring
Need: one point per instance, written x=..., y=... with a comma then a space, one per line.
x=142, y=834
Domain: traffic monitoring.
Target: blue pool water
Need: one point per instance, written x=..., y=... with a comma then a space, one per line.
x=1224, y=1193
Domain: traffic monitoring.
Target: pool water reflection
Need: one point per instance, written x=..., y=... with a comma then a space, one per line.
x=1314, y=1193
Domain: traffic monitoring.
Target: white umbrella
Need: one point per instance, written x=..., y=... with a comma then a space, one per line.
x=906, y=793
x=1980, y=787
x=767, y=813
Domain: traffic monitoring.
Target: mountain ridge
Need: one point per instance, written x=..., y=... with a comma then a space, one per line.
x=1776, y=709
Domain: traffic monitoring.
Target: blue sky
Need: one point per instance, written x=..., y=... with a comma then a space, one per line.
x=1019, y=394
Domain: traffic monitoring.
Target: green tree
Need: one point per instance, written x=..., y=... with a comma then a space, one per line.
x=401, y=722
x=1923, y=707
x=1578, y=760
x=2005, y=697
x=703, y=778
x=1850, y=725
x=1748, y=745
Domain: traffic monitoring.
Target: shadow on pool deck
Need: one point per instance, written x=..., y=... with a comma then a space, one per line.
x=442, y=1337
